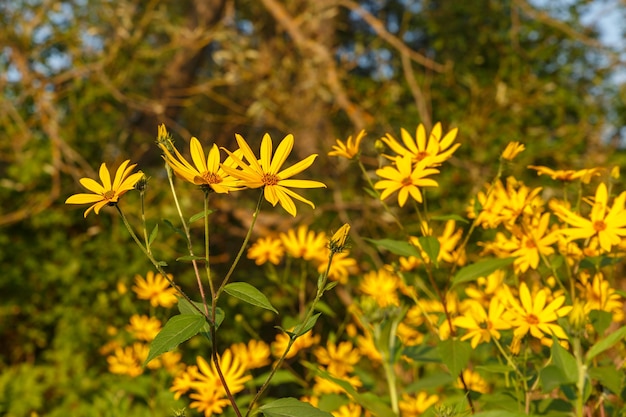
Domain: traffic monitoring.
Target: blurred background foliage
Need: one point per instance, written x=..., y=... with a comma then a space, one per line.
x=87, y=81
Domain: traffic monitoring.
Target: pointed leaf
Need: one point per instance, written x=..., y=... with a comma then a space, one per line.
x=302, y=328
x=153, y=234
x=606, y=343
x=455, y=355
x=291, y=407
x=198, y=216
x=480, y=269
x=565, y=361
x=177, y=330
x=431, y=246
x=397, y=247
x=249, y=294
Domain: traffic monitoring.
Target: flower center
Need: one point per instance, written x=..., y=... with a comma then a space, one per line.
x=532, y=319
x=599, y=225
x=530, y=244
x=211, y=178
x=109, y=195
x=421, y=155
x=270, y=179
x=406, y=181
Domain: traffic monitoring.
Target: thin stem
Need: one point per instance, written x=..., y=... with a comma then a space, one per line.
x=385, y=206
x=188, y=238
x=143, y=221
x=156, y=263
x=321, y=285
x=207, y=265
x=242, y=249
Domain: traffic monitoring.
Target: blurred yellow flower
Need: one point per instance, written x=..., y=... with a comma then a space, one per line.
x=598, y=294
x=282, y=340
x=264, y=172
x=567, y=175
x=208, y=399
x=341, y=267
x=415, y=406
x=144, y=327
x=609, y=227
x=406, y=179
x=255, y=354
x=473, y=381
x=184, y=381
x=338, y=358
x=107, y=193
x=128, y=360
x=349, y=149
x=306, y=244
x=382, y=286
x=205, y=172
x=325, y=386
x=433, y=151
x=350, y=410
x=512, y=150
x=232, y=367
x=266, y=249
x=156, y=289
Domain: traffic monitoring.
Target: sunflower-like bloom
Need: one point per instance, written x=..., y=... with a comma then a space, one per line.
x=482, y=326
x=265, y=172
x=267, y=249
x=536, y=316
x=349, y=149
x=433, y=151
x=567, y=175
x=608, y=225
x=405, y=178
x=205, y=171
x=382, y=285
x=306, y=244
x=339, y=359
x=512, y=150
x=144, y=327
x=156, y=289
x=106, y=193
x=255, y=354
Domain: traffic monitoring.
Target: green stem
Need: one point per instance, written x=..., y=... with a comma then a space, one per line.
x=321, y=285
x=170, y=178
x=156, y=263
x=143, y=221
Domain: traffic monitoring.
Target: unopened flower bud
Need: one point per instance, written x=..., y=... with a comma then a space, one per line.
x=338, y=242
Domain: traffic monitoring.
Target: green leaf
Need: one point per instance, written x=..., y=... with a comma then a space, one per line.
x=455, y=354
x=600, y=320
x=302, y=328
x=480, y=269
x=153, y=234
x=565, y=361
x=496, y=368
x=174, y=228
x=422, y=353
x=501, y=413
x=198, y=216
x=177, y=330
x=446, y=217
x=397, y=247
x=189, y=258
x=608, y=376
x=185, y=307
x=431, y=246
x=249, y=294
x=606, y=343
x=291, y=407
x=551, y=377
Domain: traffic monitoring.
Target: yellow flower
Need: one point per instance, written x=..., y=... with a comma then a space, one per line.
x=205, y=172
x=382, y=286
x=156, y=289
x=599, y=295
x=184, y=381
x=566, y=175
x=325, y=386
x=339, y=359
x=264, y=172
x=433, y=151
x=608, y=227
x=473, y=381
x=415, y=406
x=255, y=354
x=233, y=369
x=306, y=244
x=348, y=150
x=405, y=178
x=512, y=150
x=208, y=400
x=266, y=249
x=350, y=410
x=144, y=327
x=128, y=360
x=282, y=340
x=107, y=192
x=482, y=326
x=535, y=317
